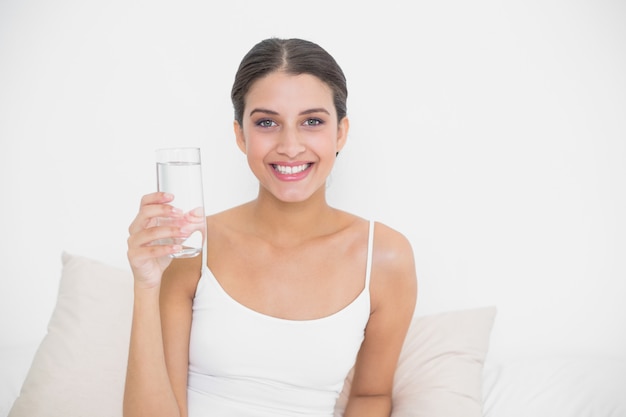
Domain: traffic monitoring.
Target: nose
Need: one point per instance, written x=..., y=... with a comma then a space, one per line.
x=290, y=143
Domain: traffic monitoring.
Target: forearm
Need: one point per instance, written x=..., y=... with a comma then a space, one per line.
x=368, y=406
x=148, y=391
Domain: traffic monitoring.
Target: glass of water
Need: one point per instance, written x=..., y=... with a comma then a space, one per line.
x=179, y=172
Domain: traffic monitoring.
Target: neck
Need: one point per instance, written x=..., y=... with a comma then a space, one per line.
x=288, y=223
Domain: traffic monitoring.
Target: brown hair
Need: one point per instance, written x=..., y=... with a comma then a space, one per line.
x=293, y=56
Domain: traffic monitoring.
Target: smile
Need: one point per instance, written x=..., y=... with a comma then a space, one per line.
x=290, y=170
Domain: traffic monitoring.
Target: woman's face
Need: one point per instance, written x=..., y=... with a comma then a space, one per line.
x=290, y=134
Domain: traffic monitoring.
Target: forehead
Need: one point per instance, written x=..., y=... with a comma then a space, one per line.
x=280, y=91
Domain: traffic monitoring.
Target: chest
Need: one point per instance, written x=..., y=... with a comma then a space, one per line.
x=303, y=282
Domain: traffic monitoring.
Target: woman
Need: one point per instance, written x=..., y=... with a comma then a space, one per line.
x=294, y=293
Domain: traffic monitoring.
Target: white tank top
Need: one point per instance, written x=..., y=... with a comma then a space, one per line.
x=246, y=364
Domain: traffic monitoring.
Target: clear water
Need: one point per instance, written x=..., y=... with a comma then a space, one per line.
x=184, y=181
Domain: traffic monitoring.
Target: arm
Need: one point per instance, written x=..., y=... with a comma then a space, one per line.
x=393, y=291
x=156, y=374
x=148, y=391
x=177, y=291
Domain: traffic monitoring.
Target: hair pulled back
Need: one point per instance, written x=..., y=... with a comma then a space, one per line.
x=292, y=56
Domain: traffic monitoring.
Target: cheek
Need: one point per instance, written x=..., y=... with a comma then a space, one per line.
x=327, y=143
x=256, y=149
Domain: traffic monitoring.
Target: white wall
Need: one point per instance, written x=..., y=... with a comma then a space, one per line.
x=493, y=134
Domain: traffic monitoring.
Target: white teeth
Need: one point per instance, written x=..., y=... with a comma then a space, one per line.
x=288, y=170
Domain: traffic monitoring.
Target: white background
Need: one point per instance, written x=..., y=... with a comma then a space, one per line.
x=493, y=134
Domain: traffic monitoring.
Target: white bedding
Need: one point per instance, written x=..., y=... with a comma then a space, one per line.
x=15, y=361
x=556, y=386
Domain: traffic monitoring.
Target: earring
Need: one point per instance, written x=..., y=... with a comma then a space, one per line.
x=337, y=154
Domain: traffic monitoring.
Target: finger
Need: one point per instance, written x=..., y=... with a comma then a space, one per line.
x=158, y=197
x=149, y=213
x=138, y=256
x=147, y=237
x=147, y=201
x=196, y=215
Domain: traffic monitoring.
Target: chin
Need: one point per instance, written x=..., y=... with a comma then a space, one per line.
x=296, y=194
x=293, y=196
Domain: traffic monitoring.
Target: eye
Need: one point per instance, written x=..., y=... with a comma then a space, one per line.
x=313, y=121
x=266, y=123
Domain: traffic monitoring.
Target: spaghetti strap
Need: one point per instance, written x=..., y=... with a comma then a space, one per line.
x=370, y=250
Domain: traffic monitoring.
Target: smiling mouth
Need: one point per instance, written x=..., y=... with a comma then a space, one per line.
x=290, y=170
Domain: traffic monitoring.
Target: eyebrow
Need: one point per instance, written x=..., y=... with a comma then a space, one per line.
x=309, y=111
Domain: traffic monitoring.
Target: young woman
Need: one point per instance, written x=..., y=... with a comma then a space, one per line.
x=294, y=293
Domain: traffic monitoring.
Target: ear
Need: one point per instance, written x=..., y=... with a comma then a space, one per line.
x=342, y=133
x=241, y=140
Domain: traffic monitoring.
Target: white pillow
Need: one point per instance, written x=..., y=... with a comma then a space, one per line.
x=440, y=369
x=80, y=366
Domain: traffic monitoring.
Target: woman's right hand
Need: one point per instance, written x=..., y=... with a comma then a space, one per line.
x=147, y=258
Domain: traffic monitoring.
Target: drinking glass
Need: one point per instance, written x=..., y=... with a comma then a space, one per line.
x=179, y=172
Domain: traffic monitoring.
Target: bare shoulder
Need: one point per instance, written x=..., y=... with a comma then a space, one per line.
x=393, y=266
x=392, y=250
